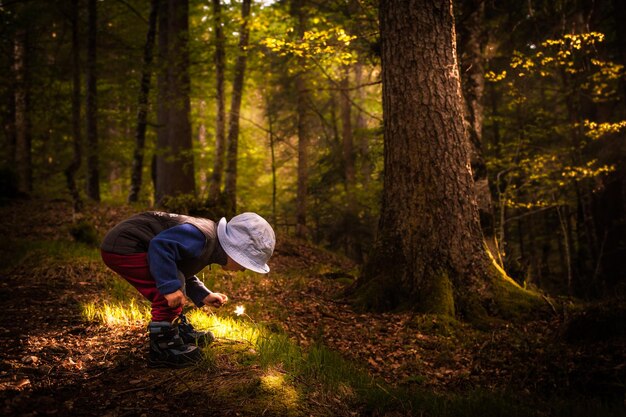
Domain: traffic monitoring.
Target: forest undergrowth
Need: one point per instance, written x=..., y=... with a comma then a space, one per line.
x=73, y=341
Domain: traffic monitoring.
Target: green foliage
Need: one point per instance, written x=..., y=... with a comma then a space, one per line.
x=40, y=252
x=546, y=153
x=324, y=44
x=548, y=149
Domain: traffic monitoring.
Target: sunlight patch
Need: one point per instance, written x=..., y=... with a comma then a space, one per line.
x=275, y=384
x=115, y=314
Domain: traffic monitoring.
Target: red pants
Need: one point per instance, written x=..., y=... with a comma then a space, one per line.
x=134, y=269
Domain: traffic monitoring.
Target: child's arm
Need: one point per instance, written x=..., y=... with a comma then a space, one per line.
x=168, y=247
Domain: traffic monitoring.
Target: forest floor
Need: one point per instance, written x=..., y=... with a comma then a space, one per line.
x=53, y=361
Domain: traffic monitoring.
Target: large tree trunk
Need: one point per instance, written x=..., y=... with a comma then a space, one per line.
x=230, y=188
x=428, y=254
x=220, y=123
x=23, y=158
x=70, y=171
x=175, y=168
x=142, y=107
x=93, y=170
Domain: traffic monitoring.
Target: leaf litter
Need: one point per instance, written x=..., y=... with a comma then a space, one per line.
x=54, y=363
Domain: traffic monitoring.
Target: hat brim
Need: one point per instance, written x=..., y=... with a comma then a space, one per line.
x=233, y=251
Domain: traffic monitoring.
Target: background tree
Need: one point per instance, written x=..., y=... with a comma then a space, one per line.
x=215, y=188
x=23, y=160
x=93, y=169
x=142, y=107
x=72, y=169
x=174, y=164
x=230, y=188
x=298, y=11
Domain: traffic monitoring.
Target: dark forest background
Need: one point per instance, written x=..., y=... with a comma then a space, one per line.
x=215, y=107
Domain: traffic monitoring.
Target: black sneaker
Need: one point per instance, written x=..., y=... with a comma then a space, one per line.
x=191, y=335
x=167, y=348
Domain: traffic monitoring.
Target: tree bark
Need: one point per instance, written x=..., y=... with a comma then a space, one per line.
x=8, y=117
x=72, y=169
x=428, y=253
x=230, y=187
x=220, y=123
x=163, y=99
x=303, y=129
x=142, y=107
x=175, y=172
x=93, y=170
x=202, y=141
x=23, y=157
x=272, y=141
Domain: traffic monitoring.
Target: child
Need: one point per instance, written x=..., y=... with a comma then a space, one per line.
x=159, y=254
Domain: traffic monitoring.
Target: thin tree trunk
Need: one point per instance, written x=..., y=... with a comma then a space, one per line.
x=93, y=170
x=273, y=162
x=220, y=123
x=8, y=117
x=23, y=158
x=353, y=247
x=202, y=141
x=142, y=108
x=302, y=129
x=348, y=138
x=70, y=171
x=230, y=188
x=563, y=213
x=361, y=127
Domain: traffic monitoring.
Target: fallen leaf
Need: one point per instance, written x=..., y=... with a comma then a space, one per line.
x=22, y=383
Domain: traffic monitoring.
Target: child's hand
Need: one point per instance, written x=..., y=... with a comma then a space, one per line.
x=175, y=299
x=215, y=299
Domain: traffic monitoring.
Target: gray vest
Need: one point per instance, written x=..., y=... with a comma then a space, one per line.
x=134, y=234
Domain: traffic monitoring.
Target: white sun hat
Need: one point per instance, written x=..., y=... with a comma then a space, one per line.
x=248, y=239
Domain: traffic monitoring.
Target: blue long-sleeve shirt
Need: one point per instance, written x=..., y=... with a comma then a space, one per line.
x=166, y=249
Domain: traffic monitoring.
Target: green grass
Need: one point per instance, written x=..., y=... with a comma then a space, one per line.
x=20, y=251
x=116, y=314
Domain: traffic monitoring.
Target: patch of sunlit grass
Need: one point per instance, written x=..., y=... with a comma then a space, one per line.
x=115, y=314
x=277, y=384
x=231, y=328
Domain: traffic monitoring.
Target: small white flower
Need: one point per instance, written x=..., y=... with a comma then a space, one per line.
x=239, y=310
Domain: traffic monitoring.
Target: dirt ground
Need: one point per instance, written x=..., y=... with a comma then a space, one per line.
x=54, y=363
